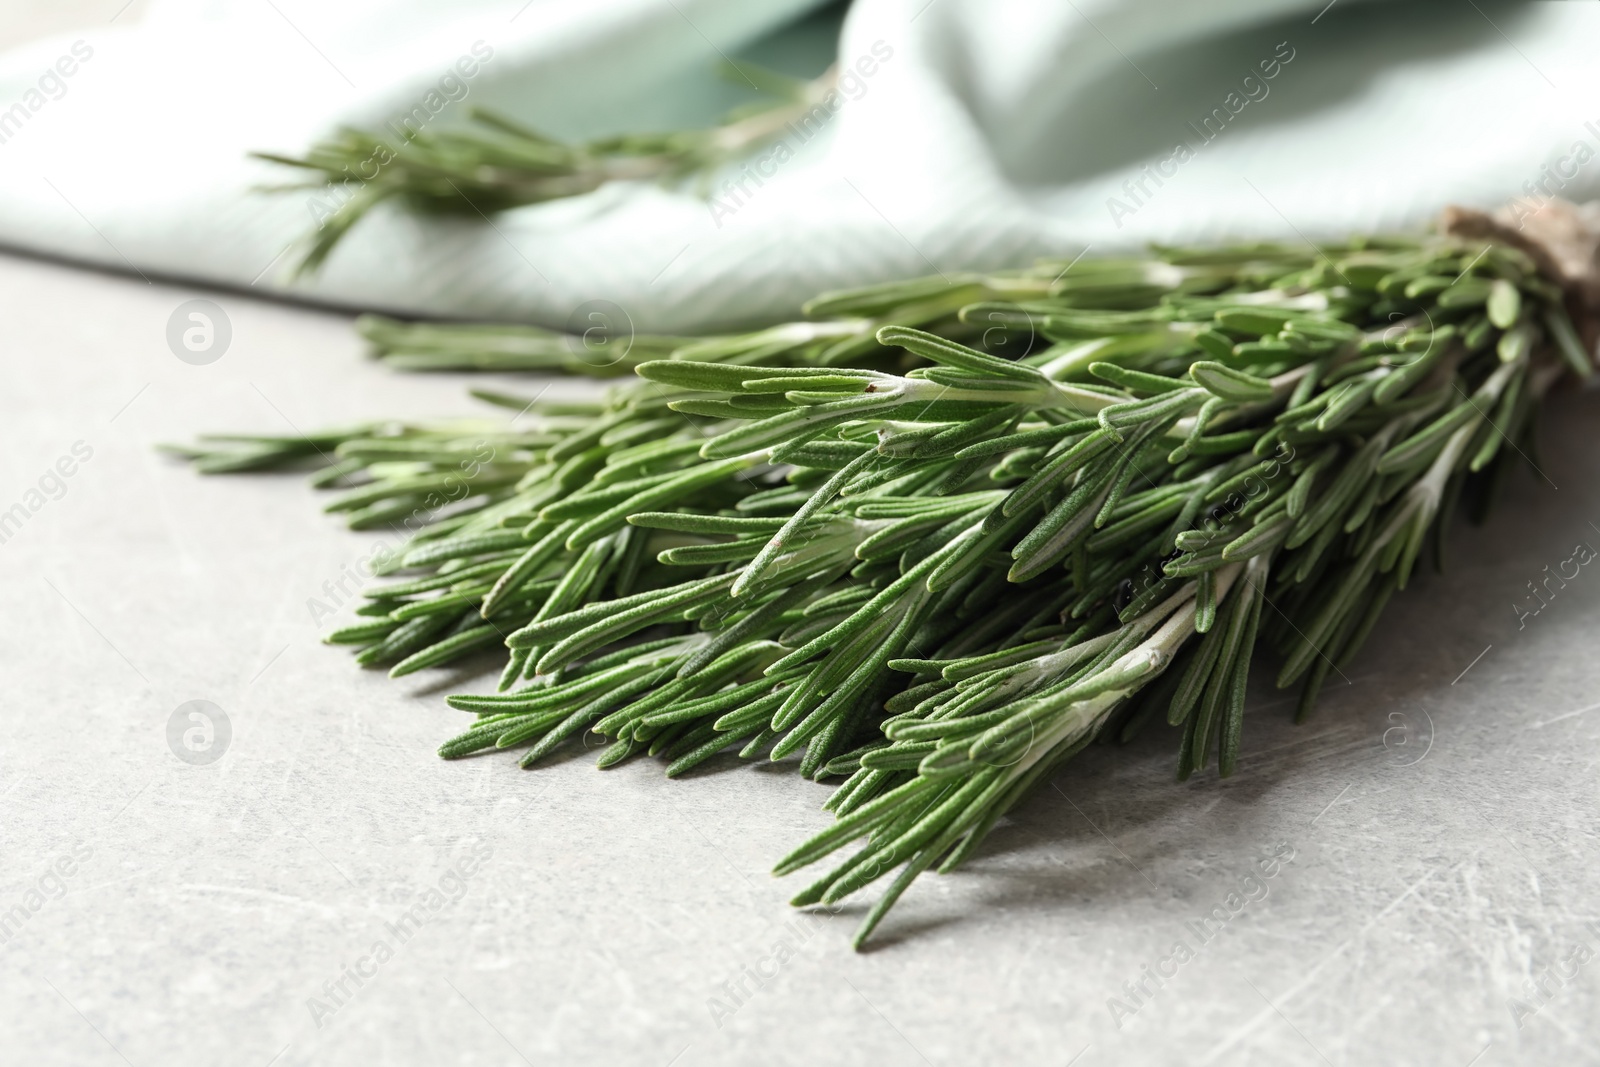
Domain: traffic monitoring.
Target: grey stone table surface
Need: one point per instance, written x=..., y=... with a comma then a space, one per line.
x=1406, y=879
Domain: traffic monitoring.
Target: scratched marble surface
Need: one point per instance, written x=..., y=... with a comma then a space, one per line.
x=1406, y=879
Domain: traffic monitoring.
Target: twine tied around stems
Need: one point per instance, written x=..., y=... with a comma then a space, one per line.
x=1563, y=240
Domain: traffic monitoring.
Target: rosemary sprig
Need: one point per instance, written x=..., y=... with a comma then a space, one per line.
x=499, y=163
x=946, y=533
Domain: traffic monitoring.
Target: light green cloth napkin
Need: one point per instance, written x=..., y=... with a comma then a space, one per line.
x=970, y=133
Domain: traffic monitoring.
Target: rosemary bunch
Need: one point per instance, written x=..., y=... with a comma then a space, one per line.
x=498, y=163
x=947, y=532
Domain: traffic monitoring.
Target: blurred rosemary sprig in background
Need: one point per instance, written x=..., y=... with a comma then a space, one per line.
x=944, y=533
x=499, y=163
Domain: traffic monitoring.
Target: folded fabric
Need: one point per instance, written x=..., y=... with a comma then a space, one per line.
x=966, y=134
